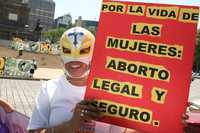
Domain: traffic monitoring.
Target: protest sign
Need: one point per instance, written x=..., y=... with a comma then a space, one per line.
x=141, y=67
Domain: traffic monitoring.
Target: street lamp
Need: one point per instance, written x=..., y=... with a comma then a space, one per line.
x=26, y=33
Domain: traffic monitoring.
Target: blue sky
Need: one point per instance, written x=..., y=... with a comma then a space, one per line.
x=90, y=9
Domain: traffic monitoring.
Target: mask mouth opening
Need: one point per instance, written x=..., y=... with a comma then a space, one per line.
x=76, y=65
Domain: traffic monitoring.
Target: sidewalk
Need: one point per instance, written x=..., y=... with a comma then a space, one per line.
x=21, y=93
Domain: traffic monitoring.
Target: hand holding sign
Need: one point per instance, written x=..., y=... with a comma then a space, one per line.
x=84, y=114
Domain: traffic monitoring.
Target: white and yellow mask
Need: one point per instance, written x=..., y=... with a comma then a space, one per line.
x=77, y=44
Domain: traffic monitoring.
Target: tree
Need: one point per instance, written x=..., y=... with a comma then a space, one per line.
x=92, y=30
x=197, y=53
x=54, y=34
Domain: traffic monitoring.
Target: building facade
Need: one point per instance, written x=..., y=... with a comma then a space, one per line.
x=63, y=21
x=14, y=16
x=43, y=11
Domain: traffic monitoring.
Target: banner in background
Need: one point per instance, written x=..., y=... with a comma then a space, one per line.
x=12, y=67
x=141, y=68
x=2, y=65
x=38, y=47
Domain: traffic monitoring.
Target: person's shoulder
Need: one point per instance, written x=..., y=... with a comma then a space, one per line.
x=49, y=87
x=56, y=81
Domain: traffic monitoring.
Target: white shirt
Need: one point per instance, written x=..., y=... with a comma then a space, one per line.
x=55, y=103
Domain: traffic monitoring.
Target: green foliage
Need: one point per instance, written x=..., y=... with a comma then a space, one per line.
x=92, y=30
x=54, y=34
x=197, y=52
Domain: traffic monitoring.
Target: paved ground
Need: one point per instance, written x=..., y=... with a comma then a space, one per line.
x=21, y=93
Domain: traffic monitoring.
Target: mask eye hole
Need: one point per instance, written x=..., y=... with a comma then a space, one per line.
x=85, y=50
x=66, y=50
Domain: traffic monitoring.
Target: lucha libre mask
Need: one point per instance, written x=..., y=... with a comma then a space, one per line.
x=77, y=45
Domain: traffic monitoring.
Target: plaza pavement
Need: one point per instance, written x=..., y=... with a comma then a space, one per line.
x=21, y=93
